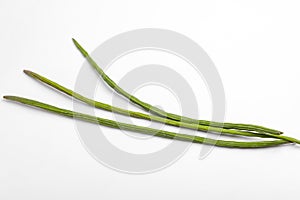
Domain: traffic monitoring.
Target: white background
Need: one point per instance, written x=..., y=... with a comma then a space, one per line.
x=255, y=46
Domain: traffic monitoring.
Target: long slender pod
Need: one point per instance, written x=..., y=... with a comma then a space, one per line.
x=125, y=112
x=157, y=111
x=144, y=130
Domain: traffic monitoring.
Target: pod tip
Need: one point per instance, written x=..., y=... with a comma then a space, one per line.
x=6, y=97
x=79, y=47
x=27, y=72
x=73, y=39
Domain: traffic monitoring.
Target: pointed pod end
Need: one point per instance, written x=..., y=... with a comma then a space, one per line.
x=7, y=97
x=79, y=47
x=75, y=42
x=13, y=98
x=27, y=72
